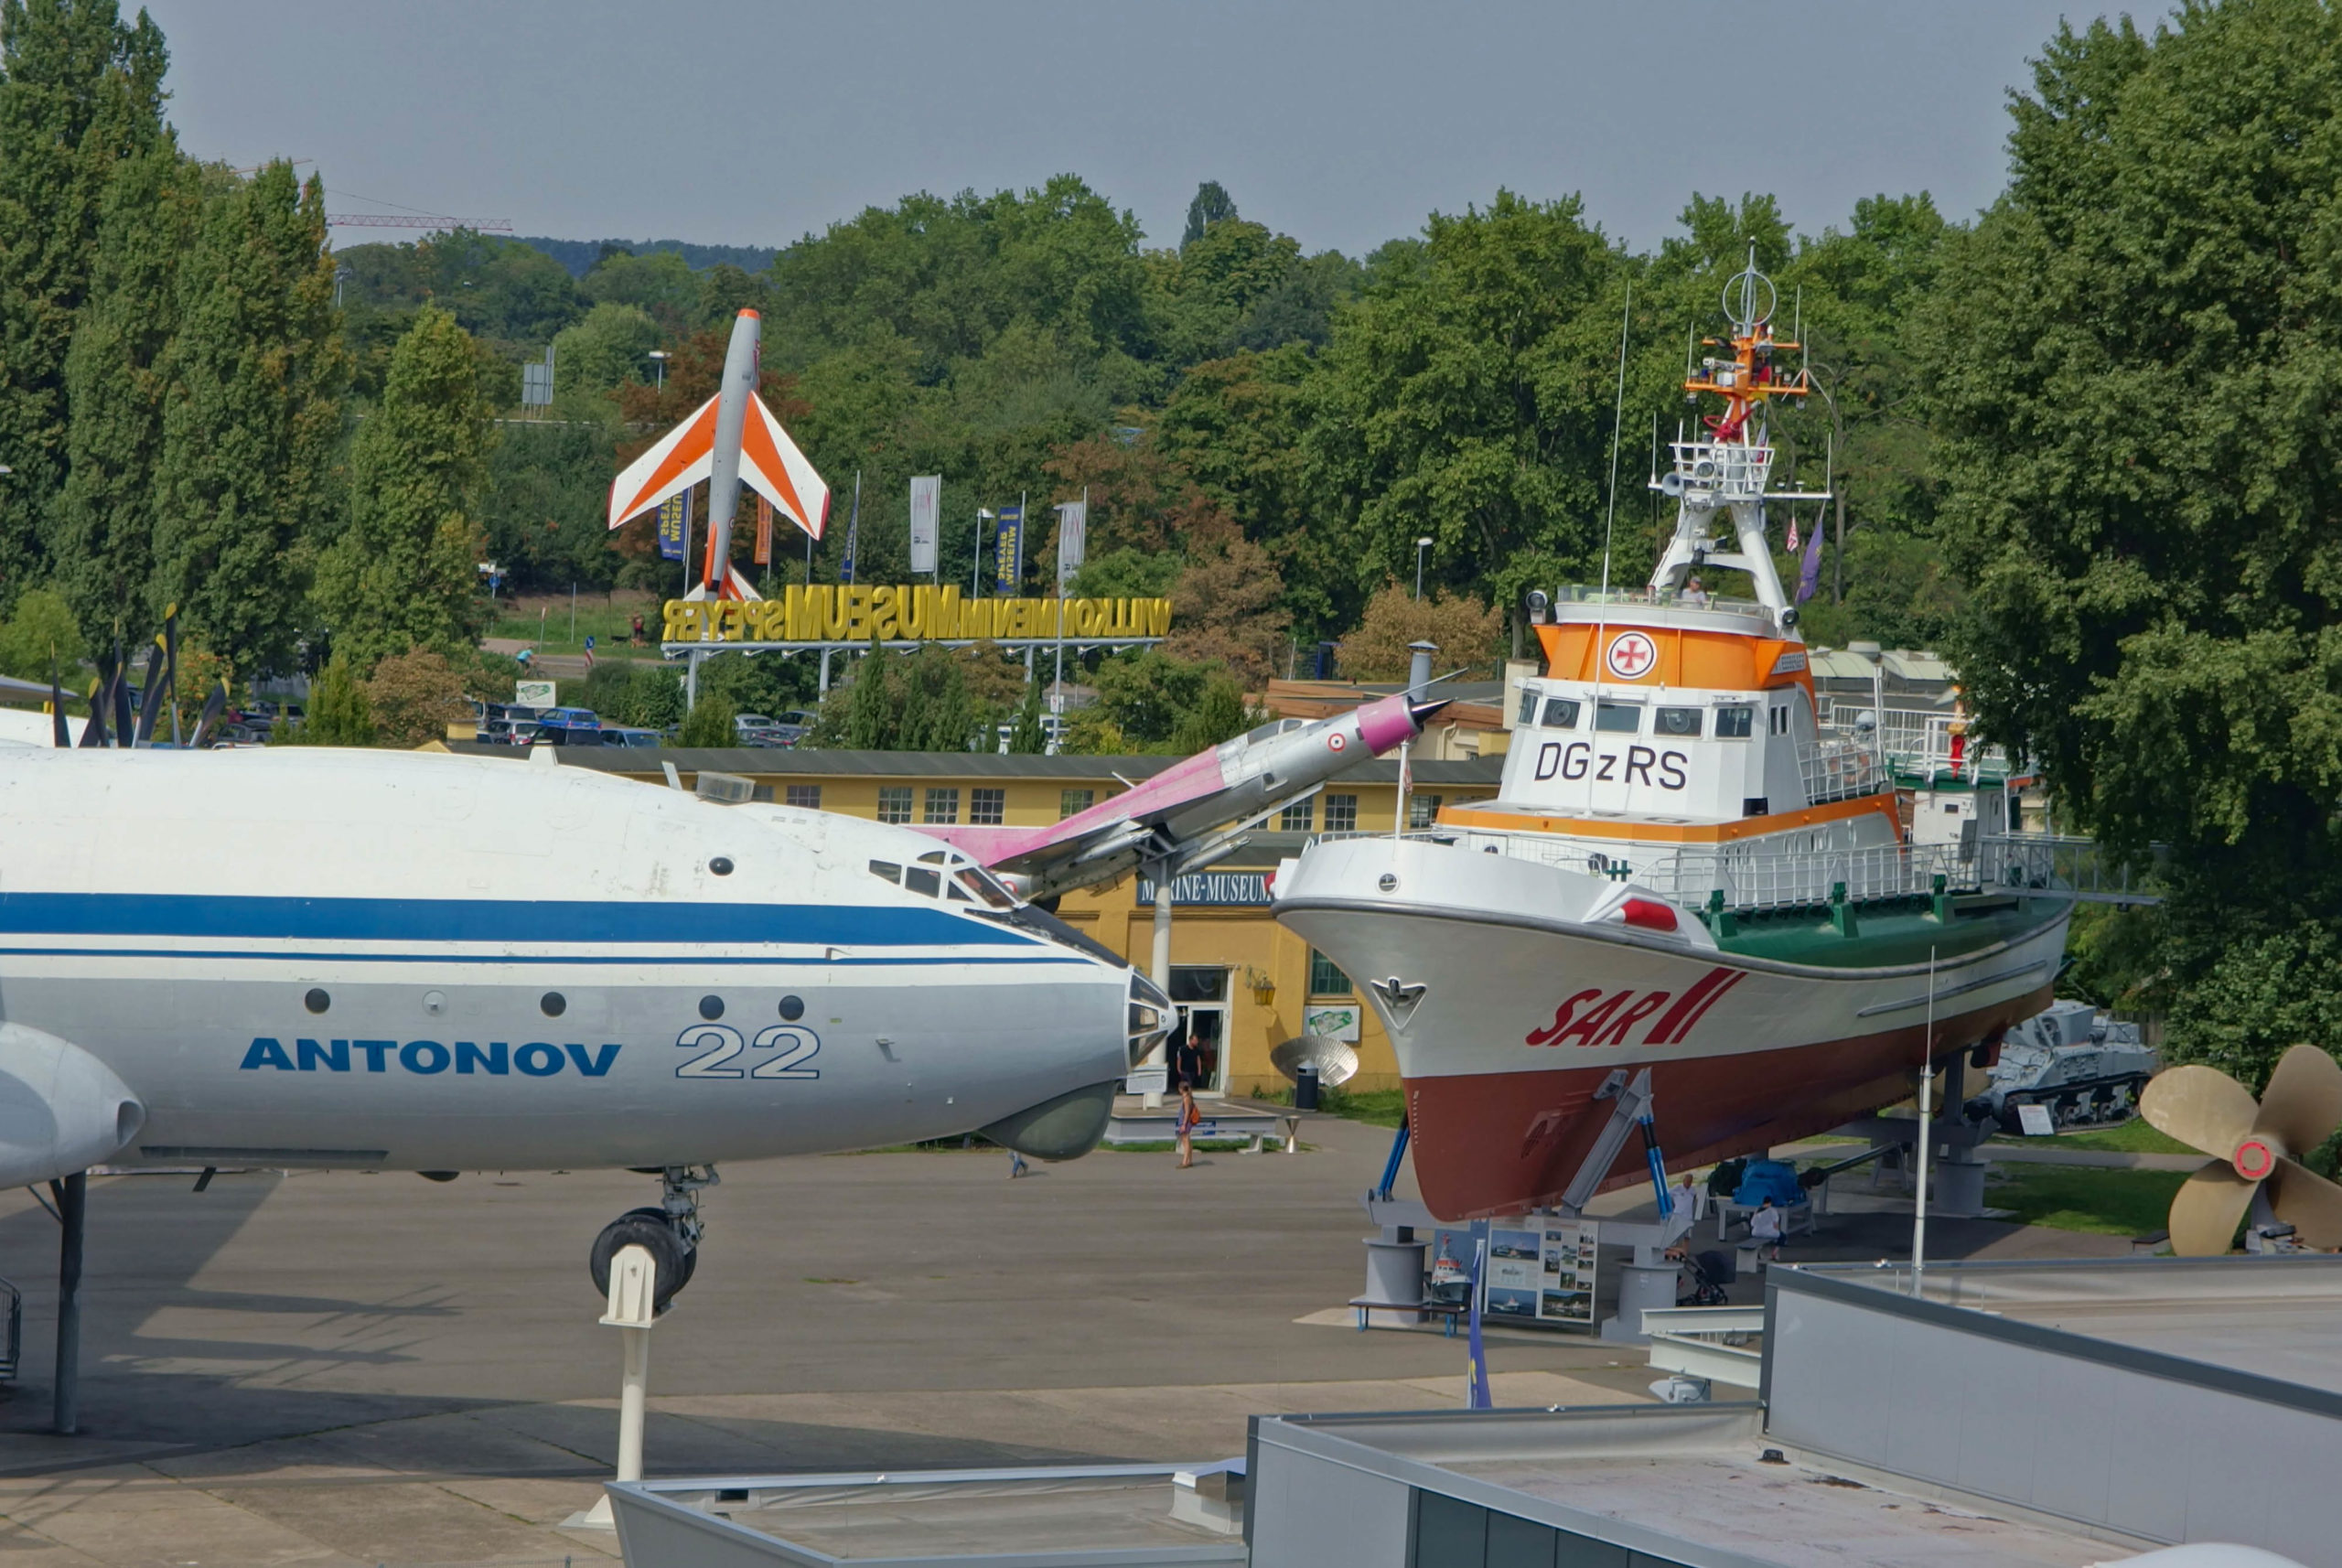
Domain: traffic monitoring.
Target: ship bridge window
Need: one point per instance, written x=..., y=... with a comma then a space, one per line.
x=1679, y=723
x=1736, y=724
x=1528, y=707
x=1561, y=713
x=1618, y=718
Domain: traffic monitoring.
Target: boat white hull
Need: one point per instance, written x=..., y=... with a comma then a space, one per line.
x=1530, y=1000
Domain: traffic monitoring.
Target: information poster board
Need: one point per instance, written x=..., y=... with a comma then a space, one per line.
x=1513, y=1280
x=1566, y=1264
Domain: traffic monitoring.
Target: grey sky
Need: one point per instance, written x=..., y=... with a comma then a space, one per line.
x=732, y=121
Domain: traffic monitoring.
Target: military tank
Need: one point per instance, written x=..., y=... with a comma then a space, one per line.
x=2086, y=1067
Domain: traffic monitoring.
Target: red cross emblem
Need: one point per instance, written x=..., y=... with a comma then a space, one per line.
x=1631, y=655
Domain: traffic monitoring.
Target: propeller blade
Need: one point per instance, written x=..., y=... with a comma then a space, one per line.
x=2303, y=1105
x=150, y=699
x=57, y=712
x=2206, y=1210
x=171, y=666
x=120, y=696
x=94, y=731
x=2309, y=1203
x=2202, y=1107
x=213, y=706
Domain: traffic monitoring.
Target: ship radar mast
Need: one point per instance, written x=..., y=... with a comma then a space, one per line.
x=1723, y=471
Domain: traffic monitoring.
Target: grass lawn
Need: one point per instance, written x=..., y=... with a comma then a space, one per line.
x=1376, y=1107
x=608, y=620
x=2132, y=1137
x=2075, y=1197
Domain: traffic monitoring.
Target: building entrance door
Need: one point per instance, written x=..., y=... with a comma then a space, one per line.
x=1200, y=994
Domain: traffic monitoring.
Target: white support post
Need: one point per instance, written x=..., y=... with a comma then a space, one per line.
x=634, y=1282
x=1161, y=964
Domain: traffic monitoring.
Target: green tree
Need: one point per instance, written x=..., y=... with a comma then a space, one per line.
x=1026, y=737
x=414, y=696
x=250, y=415
x=1465, y=399
x=404, y=572
x=80, y=91
x=114, y=387
x=2137, y=348
x=611, y=345
x=709, y=723
x=339, y=711
x=1464, y=629
x=41, y=637
x=1212, y=204
x=1219, y=715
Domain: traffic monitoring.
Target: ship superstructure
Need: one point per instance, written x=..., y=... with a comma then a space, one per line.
x=1690, y=903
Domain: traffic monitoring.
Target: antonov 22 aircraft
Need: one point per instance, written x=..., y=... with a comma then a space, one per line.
x=397, y=960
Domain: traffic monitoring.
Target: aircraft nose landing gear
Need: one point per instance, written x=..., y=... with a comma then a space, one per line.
x=670, y=1233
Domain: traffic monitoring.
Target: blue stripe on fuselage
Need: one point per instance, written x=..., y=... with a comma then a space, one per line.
x=613, y=921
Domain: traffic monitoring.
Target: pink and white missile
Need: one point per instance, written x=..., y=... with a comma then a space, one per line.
x=730, y=440
x=1178, y=812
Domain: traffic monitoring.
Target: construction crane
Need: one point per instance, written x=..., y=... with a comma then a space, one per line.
x=387, y=220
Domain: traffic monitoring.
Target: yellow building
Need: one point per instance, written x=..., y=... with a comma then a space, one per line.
x=1246, y=981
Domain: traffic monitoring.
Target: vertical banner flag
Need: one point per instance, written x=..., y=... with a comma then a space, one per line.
x=1008, y=549
x=852, y=531
x=1073, y=528
x=674, y=520
x=763, y=532
x=927, y=517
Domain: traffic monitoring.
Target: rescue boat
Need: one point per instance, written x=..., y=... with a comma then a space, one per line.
x=1692, y=923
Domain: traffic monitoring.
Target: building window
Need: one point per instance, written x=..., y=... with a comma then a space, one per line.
x=894, y=803
x=988, y=806
x=1073, y=803
x=1422, y=810
x=1325, y=979
x=943, y=805
x=1342, y=813
x=808, y=796
x=1298, y=817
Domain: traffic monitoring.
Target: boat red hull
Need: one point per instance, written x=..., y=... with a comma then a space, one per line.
x=1500, y=1143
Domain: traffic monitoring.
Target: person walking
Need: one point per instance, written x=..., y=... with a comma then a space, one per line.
x=1186, y=1071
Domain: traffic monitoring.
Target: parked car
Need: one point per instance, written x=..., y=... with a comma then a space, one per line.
x=506, y=732
x=569, y=727
x=622, y=734
x=795, y=725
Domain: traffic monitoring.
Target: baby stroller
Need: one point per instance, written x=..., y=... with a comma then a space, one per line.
x=1711, y=1270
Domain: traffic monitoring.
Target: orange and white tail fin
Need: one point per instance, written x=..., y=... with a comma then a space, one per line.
x=733, y=586
x=770, y=464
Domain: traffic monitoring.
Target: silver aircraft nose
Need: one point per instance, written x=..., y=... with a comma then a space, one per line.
x=1152, y=1017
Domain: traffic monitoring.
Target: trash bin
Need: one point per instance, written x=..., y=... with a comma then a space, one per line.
x=1305, y=1088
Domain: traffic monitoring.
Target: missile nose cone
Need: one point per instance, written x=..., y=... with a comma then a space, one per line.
x=1424, y=713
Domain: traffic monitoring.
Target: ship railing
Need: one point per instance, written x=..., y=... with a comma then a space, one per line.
x=1914, y=741
x=1840, y=769
x=1750, y=881
x=1723, y=468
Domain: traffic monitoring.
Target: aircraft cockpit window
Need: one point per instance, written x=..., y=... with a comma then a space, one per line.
x=1681, y=723
x=935, y=857
x=959, y=894
x=886, y=869
x=1274, y=727
x=1561, y=713
x=986, y=886
x=924, y=879
x=1618, y=718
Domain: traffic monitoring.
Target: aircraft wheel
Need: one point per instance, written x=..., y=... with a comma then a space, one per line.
x=646, y=1228
x=691, y=1254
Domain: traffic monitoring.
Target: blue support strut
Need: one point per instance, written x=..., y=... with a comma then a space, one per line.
x=1658, y=1163
x=1391, y=1166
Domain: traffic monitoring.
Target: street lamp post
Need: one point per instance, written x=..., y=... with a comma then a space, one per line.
x=660, y=357
x=1421, y=545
